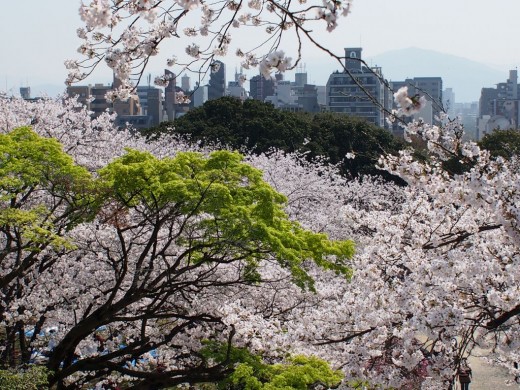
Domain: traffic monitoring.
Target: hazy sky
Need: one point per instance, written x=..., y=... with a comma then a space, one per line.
x=37, y=35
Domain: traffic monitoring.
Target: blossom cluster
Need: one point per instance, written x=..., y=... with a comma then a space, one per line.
x=276, y=60
x=330, y=11
x=436, y=268
x=127, y=47
x=408, y=105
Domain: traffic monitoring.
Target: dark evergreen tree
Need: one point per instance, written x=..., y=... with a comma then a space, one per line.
x=259, y=127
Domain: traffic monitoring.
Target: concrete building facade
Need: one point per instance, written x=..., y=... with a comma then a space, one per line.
x=217, y=81
x=362, y=93
x=499, y=107
x=260, y=87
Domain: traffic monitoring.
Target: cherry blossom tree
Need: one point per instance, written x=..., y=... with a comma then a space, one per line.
x=434, y=276
x=126, y=34
x=124, y=273
x=436, y=268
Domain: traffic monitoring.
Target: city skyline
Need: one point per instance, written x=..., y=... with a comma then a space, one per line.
x=376, y=25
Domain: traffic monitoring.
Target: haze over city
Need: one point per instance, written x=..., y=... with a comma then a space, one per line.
x=39, y=36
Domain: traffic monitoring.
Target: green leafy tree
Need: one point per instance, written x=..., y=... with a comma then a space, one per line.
x=138, y=260
x=299, y=372
x=43, y=195
x=503, y=143
x=34, y=378
x=251, y=124
x=334, y=135
x=251, y=372
x=260, y=127
x=247, y=218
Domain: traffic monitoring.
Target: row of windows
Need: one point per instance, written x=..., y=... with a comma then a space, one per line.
x=357, y=100
x=365, y=80
x=361, y=110
x=343, y=89
x=354, y=91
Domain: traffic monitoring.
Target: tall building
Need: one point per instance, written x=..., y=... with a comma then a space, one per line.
x=93, y=97
x=185, y=83
x=431, y=89
x=468, y=115
x=300, y=78
x=236, y=89
x=284, y=96
x=217, y=81
x=306, y=94
x=260, y=87
x=344, y=95
x=307, y=98
x=25, y=93
x=99, y=104
x=486, y=101
x=200, y=95
x=82, y=92
x=294, y=96
x=499, y=108
x=448, y=102
x=128, y=107
x=169, y=94
x=128, y=111
x=151, y=100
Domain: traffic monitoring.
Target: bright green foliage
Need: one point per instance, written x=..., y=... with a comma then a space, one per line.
x=33, y=227
x=33, y=379
x=43, y=194
x=229, y=203
x=28, y=160
x=29, y=164
x=252, y=373
x=300, y=372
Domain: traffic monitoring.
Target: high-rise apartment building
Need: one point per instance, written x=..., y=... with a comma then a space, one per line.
x=217, y=81
x=169, y=94
x=260, y=87
x=185, y=83
x=362, y=93
x=499, y=108
x=25, y=93
x=151, y=100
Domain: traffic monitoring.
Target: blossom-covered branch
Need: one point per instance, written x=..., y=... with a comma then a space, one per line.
x=126, y=34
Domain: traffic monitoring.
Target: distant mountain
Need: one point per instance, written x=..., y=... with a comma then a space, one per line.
x=466, y=77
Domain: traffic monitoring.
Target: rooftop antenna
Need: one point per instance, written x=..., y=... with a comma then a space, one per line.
x=149, y=79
